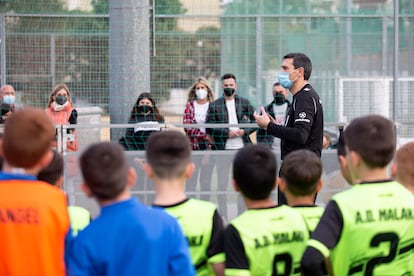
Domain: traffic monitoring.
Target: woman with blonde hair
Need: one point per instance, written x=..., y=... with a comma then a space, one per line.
x=200, y=95
x=60, y=110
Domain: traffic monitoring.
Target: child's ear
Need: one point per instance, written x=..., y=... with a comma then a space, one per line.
x=46, y=159
x=281, y=183
x=393, y=169
x=132, y=177
x=86, y=190
x=148, y=171
x=189, y=170
x=319, y=185
x=235, y=186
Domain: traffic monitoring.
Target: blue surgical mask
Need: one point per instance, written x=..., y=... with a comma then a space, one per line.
x=9, y=99
x=284, y=80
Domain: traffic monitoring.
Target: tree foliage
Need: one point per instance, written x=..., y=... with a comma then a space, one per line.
x=32, y=6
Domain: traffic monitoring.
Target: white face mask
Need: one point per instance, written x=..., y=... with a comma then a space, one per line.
x=201, y=94
x=9, y=99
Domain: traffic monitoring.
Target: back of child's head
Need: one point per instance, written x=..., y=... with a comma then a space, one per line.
x=254, y=171
x=28, y=134
x=404, y=159
x=168, y=153
x=301, y=170
x=104, y=169
x=373, y=138
x=340, y=146
x=54, y=171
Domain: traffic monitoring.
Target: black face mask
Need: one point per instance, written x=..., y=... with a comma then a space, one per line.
x=144, y=108
x=279, y=99
x=228, y=91
x=60, y=99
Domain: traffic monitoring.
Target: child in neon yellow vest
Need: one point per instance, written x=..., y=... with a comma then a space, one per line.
x=266, y=239
x=368, y=229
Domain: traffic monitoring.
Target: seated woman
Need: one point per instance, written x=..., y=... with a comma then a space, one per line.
x=60, y=110
x=145, y=115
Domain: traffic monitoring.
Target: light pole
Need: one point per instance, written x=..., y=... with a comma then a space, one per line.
x=199, y=63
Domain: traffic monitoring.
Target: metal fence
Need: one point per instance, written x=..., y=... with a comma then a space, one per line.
x=40, y=50
x=217, y=188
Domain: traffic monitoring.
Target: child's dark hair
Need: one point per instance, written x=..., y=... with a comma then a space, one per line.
x=254, y=171
x=373, y=138
x=53, y=171
x=168, y=153
x=301, y=169
x=105, y=170
x=340, y=146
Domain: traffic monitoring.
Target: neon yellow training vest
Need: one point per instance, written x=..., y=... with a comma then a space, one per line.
x=79, y=218
x=274, y=240
x=378, y=232
x=196, y=219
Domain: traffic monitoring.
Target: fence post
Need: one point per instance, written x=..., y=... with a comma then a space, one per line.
x=129, y=57
x=3, y=71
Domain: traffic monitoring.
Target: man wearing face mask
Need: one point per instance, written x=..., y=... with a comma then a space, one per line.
x=303, y=128
x=228, y=109
x=8, y=97
x=277, y=109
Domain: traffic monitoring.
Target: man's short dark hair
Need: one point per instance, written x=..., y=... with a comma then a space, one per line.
x=373, y=138
x=228, y=76
x=276, y=84
x=168, y=153
x=105, y=170
x=302, y=170
x=301, y=60
x=254, y=170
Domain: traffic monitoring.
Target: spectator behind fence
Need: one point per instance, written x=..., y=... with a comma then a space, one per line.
x=34, y=220
x=402, y=168
x=200, y=95
x=169, y=166
x=278, y=109
x=146, y=116
x=368, y=229
x=266, y=239
x=127, y=238
x=228, y=109
x=304, y=125
x=8, y=98
x=60, y=109
x=53, y=174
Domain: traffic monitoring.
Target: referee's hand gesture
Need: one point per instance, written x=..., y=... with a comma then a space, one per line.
x=264, y=119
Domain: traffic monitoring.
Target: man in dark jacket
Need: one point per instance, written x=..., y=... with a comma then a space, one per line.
x=228, y=109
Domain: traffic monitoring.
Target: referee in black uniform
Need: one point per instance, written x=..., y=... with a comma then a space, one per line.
x=303, y=127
